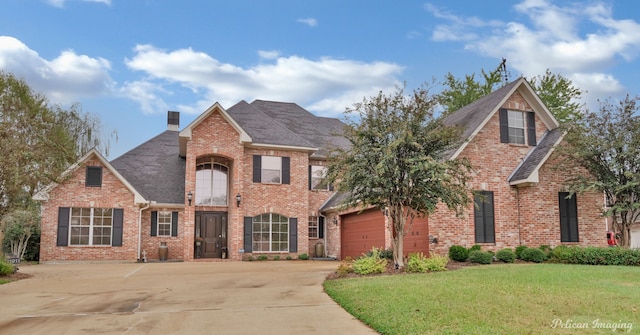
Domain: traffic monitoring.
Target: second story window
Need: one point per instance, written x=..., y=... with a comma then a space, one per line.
x=212, y=184
x=271, y=169
x=93, y=177
x=318, y=178
x=517, y=127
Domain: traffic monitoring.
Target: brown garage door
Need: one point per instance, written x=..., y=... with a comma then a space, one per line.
x=417, y=239
x=361, y=232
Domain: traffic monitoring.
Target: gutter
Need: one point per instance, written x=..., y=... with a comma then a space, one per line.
x=147, y=205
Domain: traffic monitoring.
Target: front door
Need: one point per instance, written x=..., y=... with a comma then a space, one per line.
x=213, y=229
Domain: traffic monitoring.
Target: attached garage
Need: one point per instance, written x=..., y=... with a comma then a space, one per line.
x=360, y=232
x=363, y=231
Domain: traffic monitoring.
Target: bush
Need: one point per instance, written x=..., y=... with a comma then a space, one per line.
x=475, y=247
x=344, y=269
x=596, y=256
x=6, y=268
x=303, y=257
x=506, y=255
x=458, y=253
x=519, y=250
x=533, y=255
x=560, y=254
x=386, y=254
x=263, y=258
x=370, y=264
x=276, y=258
x=288, y=258
x=418, y=262
x=481, y=257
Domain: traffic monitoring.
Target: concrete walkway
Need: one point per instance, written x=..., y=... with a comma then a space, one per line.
x=283, y=297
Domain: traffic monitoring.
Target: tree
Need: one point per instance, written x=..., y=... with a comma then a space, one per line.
x=38, y=141
x=19, y=226
x=459, y=93
x=396, y=161
x=607, y=145
x=559, y=95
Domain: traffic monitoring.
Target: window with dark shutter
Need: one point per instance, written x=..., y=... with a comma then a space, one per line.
x=286, y=162
x=154, y=223
x=504, y=126
x=63, y=226
x=118, y=225
x=531, y=128
x=93, y=177
x=293, y=235
x=568, y=217
x=484, y=217
x=257, y=168
x=248, y=226
x=174, y=224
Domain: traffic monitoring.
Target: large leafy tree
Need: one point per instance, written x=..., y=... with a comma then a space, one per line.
x=606, y=144
x=397, y=161
x=458, y=93
x=38, y=141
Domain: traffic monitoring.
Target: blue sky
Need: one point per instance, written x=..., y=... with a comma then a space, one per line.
x=130, y=61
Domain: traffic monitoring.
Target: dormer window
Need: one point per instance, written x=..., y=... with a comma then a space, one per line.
x=93, y=176
x=517, y=127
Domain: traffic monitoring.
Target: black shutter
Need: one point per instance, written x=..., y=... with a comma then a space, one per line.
x=504, y=126
x=310, y=177
x=321, y=227
x=63, y=226
x=118, y=224
x=293, y=235
x=531, y=128
x=154, y=223
x=174, y=223
x=257, y=168
x=330, y=187
x=484, y=217
x=568, y=217
x=248, y=223
x=93, y=176
x=490, y=231
x=286, y=162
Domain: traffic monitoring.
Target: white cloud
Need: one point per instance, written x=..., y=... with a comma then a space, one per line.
x=311, y=22
x=325, y=86
x=61, y=3
x=552, y=38
x=63, y=79
x=268, y=54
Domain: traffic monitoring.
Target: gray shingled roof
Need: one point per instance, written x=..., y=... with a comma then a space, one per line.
x=537, y=155
x=155, y=169
x=472, y=115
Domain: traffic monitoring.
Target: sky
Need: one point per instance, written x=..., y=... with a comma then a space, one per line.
x=130, y=61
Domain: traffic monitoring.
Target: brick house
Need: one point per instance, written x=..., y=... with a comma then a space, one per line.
x=247, y=181
x=519, y=189
x=237, y=182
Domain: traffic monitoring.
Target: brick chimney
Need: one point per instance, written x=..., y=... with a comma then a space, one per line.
x=173, y=120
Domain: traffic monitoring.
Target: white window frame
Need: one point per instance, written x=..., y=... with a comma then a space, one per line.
x=89, y=218
x=271, y=164
x=314, y=227
x=275, y=231
x=319, y=178
x=164, y=220
x=516, y=127
x=205, y=193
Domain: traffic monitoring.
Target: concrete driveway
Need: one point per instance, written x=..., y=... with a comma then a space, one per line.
x=283, y=297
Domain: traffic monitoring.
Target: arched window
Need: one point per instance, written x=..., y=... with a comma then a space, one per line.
x=212, y=184
x=270, y=232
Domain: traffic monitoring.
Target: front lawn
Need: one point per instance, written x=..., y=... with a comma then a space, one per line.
x=497, y=299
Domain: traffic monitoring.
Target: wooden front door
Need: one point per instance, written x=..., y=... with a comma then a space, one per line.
x=213, y=229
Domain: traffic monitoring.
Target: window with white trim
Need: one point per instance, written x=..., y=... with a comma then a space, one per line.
x=517, y=126
x=90, y=226
x=318, y=175
x=271, y=169
x=212, y=184
x=164, y=223
x=313, y=227
x=270, y=232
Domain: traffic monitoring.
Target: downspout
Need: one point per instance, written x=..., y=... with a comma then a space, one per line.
x=148, y=204
x=519, y=216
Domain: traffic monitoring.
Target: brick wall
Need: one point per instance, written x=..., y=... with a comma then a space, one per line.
x=73, y=193
x=527, y=215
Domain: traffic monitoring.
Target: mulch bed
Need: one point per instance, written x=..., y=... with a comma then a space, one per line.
x=391, y=270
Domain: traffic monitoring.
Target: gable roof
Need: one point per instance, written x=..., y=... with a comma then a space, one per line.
x=527, y=172
x=155, y=168
x=43, y=195
x=473, y=117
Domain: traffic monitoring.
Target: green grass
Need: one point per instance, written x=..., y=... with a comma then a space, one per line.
x=495, y=299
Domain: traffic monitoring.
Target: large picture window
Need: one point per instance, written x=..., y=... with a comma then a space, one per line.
x=212, y=182
x=270, y=232
x=90, y=226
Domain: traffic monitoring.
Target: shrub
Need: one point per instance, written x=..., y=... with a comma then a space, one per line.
x=263, y=258
x=533, y=255
x=481, y=257
x=560, y=254
x=276, y=258
x=506, y=255
x=6, y=268
x=458, y=253
x=303, y=257
x=418, y=262
x=475, y=247
x=387, y=254
x=344, y=269
x=250, y=258
x=519, y=250
x=370, y=264
x=546, y=249
x=596, y=256
x=288, y=258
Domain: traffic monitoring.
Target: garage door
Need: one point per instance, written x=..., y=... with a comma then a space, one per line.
x=417, y=239
x=361, y=232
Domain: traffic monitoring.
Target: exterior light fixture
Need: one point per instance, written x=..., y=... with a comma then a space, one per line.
x=189, y=197
x=238, y=199
x=335, y=220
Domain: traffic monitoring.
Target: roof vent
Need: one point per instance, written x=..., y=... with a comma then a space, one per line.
x=173, y=120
